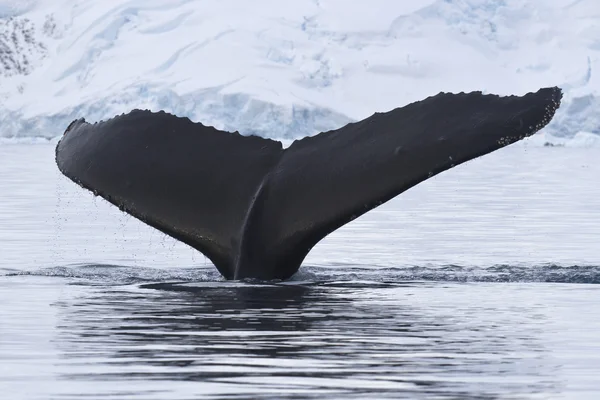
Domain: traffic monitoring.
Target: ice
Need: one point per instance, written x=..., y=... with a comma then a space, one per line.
x=287, y=70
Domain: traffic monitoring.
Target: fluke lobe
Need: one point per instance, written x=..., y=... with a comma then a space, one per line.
x=256, y=209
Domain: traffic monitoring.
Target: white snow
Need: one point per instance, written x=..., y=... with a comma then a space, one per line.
x=288, y=69
x=9, y=8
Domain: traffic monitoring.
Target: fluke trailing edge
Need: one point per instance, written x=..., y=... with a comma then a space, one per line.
x=256, y=209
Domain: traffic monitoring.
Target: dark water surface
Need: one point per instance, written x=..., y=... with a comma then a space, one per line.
x=482, y=284
x=66, y=338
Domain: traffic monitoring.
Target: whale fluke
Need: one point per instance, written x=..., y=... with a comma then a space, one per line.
x=256, y=209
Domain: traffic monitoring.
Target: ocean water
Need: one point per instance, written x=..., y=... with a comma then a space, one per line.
x=480, y=283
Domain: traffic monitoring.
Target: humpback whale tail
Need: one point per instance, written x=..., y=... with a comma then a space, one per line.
x=256, y=209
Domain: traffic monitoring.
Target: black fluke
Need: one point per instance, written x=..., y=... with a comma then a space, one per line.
x=256, y=209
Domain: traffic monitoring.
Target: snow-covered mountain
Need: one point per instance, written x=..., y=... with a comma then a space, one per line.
x=287, y=68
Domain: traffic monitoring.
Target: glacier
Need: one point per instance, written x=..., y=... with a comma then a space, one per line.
x=289, y=69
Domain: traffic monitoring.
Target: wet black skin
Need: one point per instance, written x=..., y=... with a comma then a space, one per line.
x=256, y=209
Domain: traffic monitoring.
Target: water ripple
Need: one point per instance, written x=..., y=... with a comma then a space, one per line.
x=99, y=274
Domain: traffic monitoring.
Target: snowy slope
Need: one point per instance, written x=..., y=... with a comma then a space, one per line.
x=287, y=68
